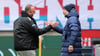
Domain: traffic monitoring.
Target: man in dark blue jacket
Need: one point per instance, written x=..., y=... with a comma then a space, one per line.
x=71, y=33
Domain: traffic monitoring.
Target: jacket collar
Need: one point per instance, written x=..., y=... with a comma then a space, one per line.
x=73, y=12
x=24, y=14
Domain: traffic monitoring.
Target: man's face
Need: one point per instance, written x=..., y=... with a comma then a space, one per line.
x=65, y=12
x=32, y=11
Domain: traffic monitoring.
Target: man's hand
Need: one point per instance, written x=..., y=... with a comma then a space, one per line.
x=51, y=23
x=54, y=24
x=70, y=48
x=47, y=23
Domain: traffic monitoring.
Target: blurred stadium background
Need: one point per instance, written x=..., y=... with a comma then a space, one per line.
x=46, y=10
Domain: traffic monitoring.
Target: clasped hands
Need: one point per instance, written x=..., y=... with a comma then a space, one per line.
x=53, y=24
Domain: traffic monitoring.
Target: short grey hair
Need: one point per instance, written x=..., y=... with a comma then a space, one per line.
x=28, y=7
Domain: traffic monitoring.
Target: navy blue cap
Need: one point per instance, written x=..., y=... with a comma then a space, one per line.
x=69, y=7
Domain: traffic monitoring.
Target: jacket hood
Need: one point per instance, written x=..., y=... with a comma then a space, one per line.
x=24, y=14
x=73, y=12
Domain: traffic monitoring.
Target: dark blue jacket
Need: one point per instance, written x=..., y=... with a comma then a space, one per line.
x=71, y=34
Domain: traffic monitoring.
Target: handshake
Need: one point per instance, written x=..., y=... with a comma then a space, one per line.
x=53, y=24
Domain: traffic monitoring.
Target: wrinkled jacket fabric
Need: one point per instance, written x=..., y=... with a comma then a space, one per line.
x=71, y=34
